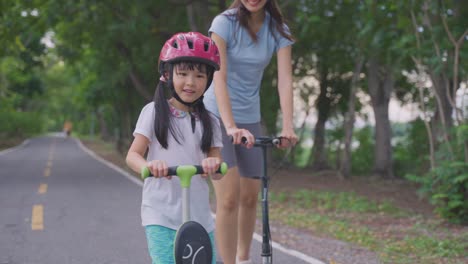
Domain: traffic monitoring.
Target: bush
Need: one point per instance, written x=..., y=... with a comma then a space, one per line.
x=20, y=124
x=363, y=156
x=447, y=184
x=411, y=153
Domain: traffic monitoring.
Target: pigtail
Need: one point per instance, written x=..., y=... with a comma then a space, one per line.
x=161, y=116
x=162, y=119
x=207, y=127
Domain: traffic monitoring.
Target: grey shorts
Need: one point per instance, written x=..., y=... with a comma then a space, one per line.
x=248, y=161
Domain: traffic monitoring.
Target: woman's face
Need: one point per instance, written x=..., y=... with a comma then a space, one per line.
x=254, y=6
x=189, y=82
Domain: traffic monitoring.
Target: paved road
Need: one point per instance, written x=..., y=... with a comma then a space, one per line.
x=59, y=204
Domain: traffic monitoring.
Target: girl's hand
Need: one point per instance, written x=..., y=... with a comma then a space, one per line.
x=289, y=138
x=237, y=134
x=158, y=168
x=210, y=166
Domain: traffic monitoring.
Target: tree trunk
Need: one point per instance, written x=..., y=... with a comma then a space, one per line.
x=345, y=162
x=442, y=121
x=381, y=84
x=139, y=87
x=196, y=13
x=319, y=153
x=103, y=129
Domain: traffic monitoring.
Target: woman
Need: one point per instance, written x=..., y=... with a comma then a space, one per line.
x=247, y=36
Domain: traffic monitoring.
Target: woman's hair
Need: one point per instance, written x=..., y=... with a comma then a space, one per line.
x=271, y=7
x=163, y=123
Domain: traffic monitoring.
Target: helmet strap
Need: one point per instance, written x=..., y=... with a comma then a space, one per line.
x=190, y=105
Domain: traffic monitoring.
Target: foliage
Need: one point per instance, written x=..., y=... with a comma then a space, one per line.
x=447, y=184
x=269, y=99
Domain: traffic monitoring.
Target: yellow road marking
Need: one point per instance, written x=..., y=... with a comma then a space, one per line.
x=47, y=172
x=37, y=220
x=42, y=188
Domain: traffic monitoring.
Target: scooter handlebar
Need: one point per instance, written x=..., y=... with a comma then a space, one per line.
x=264, y=141
x=184, y=170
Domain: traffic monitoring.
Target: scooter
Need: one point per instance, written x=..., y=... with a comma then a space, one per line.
x=267, y=248
x=264, y=143
x=192, y=243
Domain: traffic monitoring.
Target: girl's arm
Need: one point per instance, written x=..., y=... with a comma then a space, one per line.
x=135, y=159
x=212, y=162
x=222, y=97
x=285, y=91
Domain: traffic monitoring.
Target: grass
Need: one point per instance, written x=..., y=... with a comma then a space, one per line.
x=398, y=236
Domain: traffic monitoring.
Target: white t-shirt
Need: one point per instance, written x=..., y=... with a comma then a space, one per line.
x=162, y=198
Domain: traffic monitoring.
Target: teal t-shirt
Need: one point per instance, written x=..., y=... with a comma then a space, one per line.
x=246, y=62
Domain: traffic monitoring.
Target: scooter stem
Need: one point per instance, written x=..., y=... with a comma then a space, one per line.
x=185, y=174
x=185, y=204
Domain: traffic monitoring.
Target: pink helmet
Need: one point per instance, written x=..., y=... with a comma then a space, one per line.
x=190, y=46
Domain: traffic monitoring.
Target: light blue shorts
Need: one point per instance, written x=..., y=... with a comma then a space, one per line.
x=161, y=244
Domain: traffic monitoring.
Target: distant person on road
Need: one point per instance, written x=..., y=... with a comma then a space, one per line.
x=67, y=128
x=177, y=130
x=248, y=34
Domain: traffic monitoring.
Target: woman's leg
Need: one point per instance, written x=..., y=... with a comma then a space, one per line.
x=247, y=216
x=227, y=204
x=250, y=170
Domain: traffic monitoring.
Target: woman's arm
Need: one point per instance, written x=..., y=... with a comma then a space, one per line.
x=285, y=91
x=222, y=96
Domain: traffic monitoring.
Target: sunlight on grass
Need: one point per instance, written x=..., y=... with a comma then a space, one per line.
x=336, y=201
x=343, y=216
x=425, y=249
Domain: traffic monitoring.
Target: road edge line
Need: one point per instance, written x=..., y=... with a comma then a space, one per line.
x=6, y=151
x=109, y=164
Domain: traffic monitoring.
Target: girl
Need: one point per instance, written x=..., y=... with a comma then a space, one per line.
x=177, y=131
x=247, y=35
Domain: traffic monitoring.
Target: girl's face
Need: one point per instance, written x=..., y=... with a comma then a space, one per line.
x=189, y=82
x=254, y=6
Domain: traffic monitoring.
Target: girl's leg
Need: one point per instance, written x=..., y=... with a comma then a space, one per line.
x=227, y=203
x=247, y=216
x=212, y=238
x=160, y=244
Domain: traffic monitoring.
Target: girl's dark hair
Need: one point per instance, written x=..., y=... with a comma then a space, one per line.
x=163, y=119
x=271, y=7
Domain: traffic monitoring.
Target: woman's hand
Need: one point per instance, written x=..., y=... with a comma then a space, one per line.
x=210, y=166
x=158, y=168
x=237, y=134
x=289, y=138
